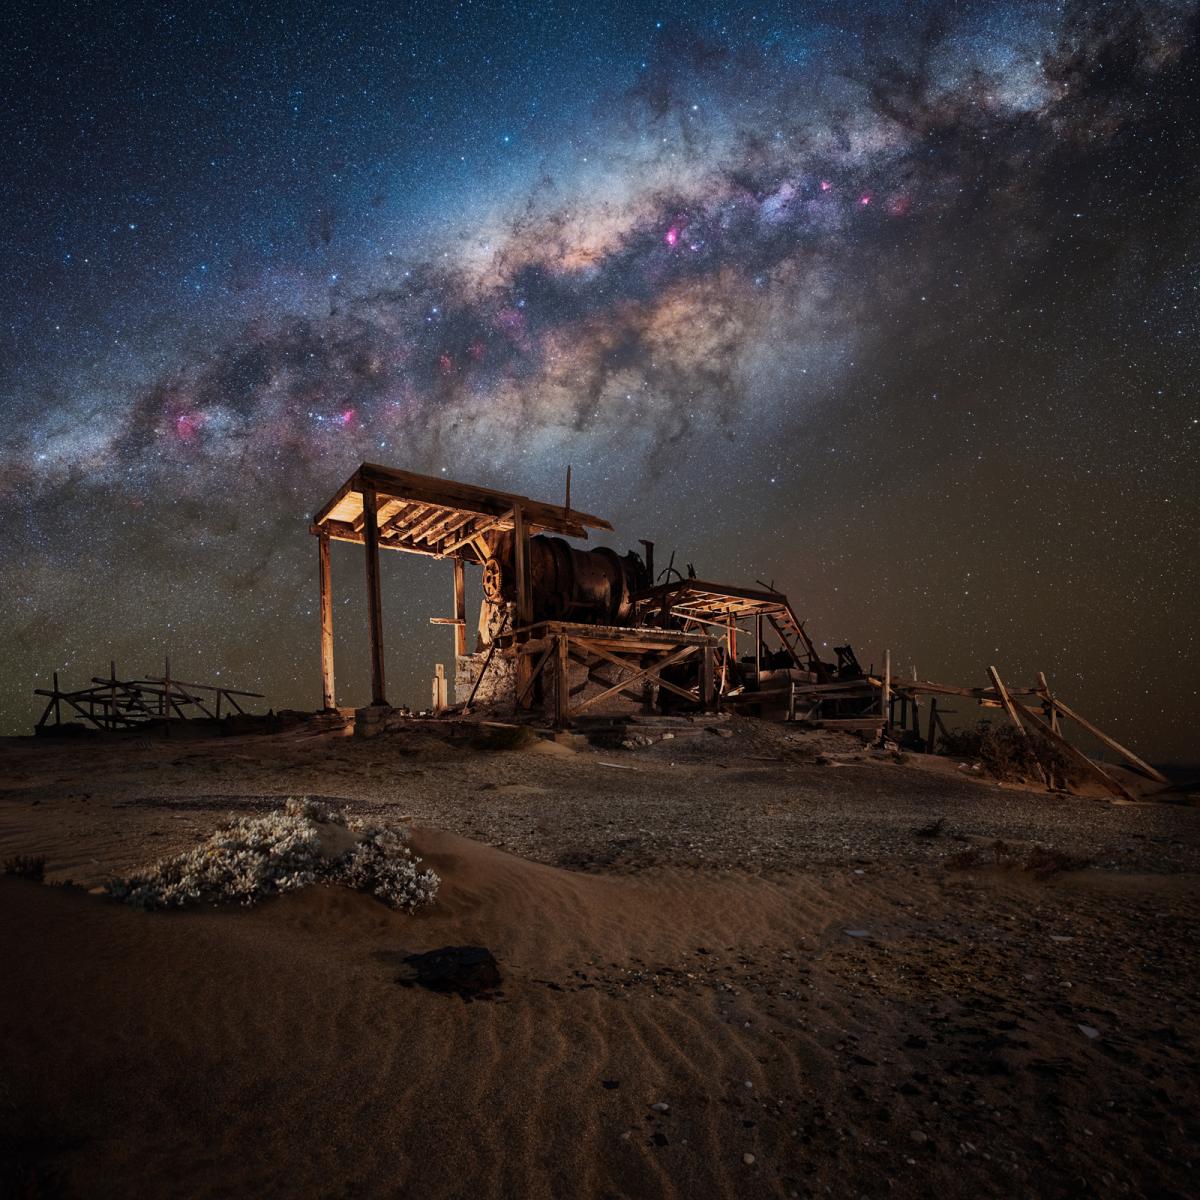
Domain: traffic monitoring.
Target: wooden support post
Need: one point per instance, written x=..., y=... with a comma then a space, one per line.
x=706, y=678
x=885, y=693
x=524, y=584
x=440, y=695
x=524, y=614
x=758, y=637
x=1006, y=700
x=325, y=579
x=112, y=694
x=460, y=607
x=562, y=682
x=931, y=742
x=374, y=594
x=57, y=704
x=731, y=641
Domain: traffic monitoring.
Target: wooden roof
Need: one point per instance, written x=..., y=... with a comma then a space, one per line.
x=703, y=601
x=427, y=514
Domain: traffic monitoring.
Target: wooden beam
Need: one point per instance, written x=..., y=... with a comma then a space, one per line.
x=1077, y=755
x=885, y=692
x=1006, y=700
x=451, y=494
x=374, y=596
x=589, y=647
x=707, y=673
x=1111, y=743
x=521, y=567
x=534, y=671
x=562, y=681
x=460, y=607
x=1009, y=707
x=325, y=576
x=491, y=523
x=650, y=672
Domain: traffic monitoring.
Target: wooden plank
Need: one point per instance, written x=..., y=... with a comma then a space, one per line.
x=590, y=648
x=562, y=681
x=349, y=486
x=481, y=527
x=650, y=638
x=325, y=576
x=1111, y=743
x=339, y=531
x=707, y=690
x=467, y=497
x=460, y=607
x=533, y=672
x=524, y=595
x=885, y=692
x=374, y=597
x=650, y=672
x=872, y=722
x=1077, y=755
x=1007, y=701
x=521, y=567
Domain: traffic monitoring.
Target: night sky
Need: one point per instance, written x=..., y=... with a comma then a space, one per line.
x=892, y=304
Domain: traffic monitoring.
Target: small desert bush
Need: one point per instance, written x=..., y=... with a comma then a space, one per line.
x=26, y=866
x=1006, y=754
x=250, y=858
x=1041, y=861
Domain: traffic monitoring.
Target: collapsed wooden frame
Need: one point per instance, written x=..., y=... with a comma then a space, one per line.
x=114, y=703
x=879, y=697
x=719, y=606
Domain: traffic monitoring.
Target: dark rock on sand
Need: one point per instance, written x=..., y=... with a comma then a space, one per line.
x=467, y=970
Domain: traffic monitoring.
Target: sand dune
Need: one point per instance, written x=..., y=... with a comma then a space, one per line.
x=271, y=1052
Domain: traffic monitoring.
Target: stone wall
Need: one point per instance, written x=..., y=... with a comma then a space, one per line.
x=499, y=688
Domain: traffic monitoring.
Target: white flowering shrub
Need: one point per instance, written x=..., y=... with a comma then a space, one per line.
x=305, y=842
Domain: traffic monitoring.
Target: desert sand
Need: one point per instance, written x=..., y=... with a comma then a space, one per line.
x=814, y=957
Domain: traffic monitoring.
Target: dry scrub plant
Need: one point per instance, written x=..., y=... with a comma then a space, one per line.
x=1007, y=754
x=250, y=858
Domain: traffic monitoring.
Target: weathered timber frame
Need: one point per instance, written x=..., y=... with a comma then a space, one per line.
x=112, y=702
x=380, y=508
x=700, y=604
x=551, y=646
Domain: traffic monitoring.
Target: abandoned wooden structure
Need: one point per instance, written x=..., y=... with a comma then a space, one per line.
x=892, y=707
x=564, y=631
x=113, y=703
x=549, y=612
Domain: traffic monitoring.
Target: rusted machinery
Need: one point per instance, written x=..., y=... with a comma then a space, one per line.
x=589, y=587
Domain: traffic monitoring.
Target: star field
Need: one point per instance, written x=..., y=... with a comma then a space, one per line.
x=894, y=305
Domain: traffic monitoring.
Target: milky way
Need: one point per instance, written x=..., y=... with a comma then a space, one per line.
x=893, y=305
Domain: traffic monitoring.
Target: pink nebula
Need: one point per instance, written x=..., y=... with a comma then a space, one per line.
x=187, y=425
x=672, y=235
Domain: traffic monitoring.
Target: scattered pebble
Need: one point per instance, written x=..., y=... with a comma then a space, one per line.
x=748, y=1159
x=1089, y=1031
x=660, y=1107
